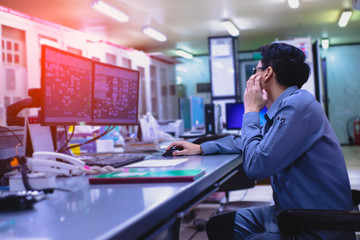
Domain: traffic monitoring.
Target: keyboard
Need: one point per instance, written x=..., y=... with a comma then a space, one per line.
x=114, y=160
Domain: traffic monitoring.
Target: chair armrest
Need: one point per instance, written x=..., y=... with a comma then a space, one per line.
x=294, y=221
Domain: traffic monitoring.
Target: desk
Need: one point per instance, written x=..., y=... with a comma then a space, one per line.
x=117, y=211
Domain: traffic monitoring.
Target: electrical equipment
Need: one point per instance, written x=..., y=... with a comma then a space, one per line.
x=356, y=4
x=213, y=119
x=357, y=131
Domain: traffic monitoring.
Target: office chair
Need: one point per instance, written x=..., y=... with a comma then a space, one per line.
x=293, y=221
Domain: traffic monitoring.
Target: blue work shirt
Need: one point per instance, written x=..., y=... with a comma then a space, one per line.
x=297, y=148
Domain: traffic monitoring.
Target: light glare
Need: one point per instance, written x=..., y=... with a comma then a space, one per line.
x=110, y=11
x=155, y=34
x=231, y=28
x=345, y=17
x=184, y=54
x=294, y=3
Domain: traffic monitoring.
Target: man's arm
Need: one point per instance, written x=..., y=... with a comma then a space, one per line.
x=228, y=144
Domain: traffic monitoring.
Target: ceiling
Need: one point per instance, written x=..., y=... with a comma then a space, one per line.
x=189, y=23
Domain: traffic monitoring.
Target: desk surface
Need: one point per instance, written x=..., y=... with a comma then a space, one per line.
x=124, y=211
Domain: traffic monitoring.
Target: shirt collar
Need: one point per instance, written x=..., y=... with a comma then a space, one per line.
x=273, y=108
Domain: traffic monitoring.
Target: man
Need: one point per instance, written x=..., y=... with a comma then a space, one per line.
x=296, y=147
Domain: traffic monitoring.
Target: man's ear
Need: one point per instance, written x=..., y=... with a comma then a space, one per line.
x=269, y=73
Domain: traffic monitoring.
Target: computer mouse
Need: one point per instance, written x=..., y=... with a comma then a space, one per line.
x=169, y=152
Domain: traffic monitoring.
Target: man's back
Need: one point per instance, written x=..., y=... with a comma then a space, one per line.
x=314, y=175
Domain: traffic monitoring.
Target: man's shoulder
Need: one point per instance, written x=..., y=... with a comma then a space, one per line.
x=299, y=98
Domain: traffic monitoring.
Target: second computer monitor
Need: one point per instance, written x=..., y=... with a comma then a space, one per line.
x=234, y=115
x=116, y=95
x=197, y=109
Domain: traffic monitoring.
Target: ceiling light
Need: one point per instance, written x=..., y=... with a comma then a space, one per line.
x=184, y=54
x=230, y=27
x=154, y=34
x=110, y=11
x=325, y=43
x=293, y=3
x=345, y=17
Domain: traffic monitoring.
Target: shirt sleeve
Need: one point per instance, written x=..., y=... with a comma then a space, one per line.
x=228, y=144
x=287, y=139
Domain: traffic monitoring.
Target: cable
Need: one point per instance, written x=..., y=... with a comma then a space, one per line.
x=110, y=128
x=12, y=132
x=16, y=148
x=67, y=139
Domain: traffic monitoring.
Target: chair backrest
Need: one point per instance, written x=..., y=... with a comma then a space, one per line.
x=355, y=196
x=293, y=221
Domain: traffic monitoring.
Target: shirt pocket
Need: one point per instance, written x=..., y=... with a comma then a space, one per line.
x=271, y=137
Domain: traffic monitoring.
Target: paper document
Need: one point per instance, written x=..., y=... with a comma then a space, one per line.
x=157, y=163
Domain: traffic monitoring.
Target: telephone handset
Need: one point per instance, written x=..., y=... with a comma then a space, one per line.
x=49, y=166
x=46, y=162
x=54, y=156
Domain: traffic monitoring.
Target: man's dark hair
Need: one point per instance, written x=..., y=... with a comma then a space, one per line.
x=288, y=63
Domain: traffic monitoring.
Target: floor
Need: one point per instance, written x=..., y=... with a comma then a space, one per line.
x=193, y=223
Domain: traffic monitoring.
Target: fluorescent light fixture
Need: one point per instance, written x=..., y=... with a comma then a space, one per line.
x=325, y=43
x=154, y=34
x=345, y=17
x=294, y=3
x=184, y=54
x=230, y=27
x=110, y=11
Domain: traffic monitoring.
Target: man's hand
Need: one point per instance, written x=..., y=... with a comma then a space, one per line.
x=254, y=98
x=188, y=148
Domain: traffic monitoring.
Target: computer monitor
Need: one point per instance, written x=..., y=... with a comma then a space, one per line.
x=234, y=115
x=184, y=110
x=262, y=116
x=116, y=95
x=66, y=87
x=197, y=111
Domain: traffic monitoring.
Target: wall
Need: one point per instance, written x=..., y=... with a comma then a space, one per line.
x=343, y=87
x=29, y=32
x=193, y=71
x=343, y=83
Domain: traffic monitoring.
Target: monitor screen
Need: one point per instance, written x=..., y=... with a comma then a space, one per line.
x=234, y=115
x=197, y=111
x=185, y=112
x=262, y=116
x=116, y=95
x=65, y=100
